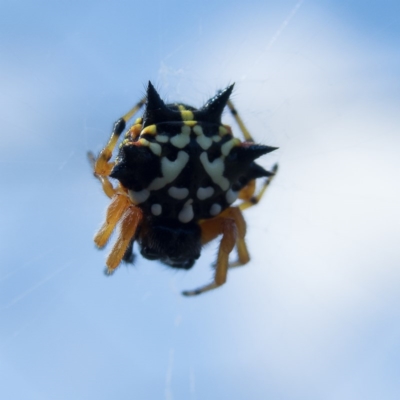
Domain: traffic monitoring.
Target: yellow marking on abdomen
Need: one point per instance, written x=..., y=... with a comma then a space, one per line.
x=186, y=115
x=151, y=130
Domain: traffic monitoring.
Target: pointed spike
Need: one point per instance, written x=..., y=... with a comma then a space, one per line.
x=154, y=101
x=240, y=161
x=270, y=149
x=156, y=110
x=212, y=110
x=250, y=152
x=256, y=171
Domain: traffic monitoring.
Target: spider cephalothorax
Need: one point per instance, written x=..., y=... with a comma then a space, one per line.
x=179, y=171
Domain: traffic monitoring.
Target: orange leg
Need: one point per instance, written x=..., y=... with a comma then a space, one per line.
x=247, y=193
x=119, y=204
x=233, y=229
x=129, y=224
x=102, y=166
x=227, y=228
x=107, y=186
x=243, y=253
x=121, y=210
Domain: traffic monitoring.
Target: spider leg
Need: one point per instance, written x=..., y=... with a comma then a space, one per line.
x=239, y=121
x=101, y=166
x=243, y=254
x=247, y=193
x=227, y=228
x=119, y=204
x=107, y=186
x=233, y=229
x=129, y=223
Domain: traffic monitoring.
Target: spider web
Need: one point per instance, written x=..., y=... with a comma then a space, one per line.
x=318, y=302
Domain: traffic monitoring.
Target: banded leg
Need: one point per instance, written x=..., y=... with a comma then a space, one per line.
x=247, y=193
x=107, y=186
x=101, y=166
x=240, y=122
x=129, y=223
x=233, y=229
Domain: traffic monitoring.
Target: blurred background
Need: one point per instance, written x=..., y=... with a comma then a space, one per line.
x=315, y=315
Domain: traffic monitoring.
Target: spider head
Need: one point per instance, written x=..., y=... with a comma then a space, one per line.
x=173, y=243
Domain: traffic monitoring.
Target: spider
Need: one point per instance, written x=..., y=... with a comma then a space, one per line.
x=179, y=170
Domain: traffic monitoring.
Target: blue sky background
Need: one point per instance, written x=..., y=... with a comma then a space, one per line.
x=315, y=315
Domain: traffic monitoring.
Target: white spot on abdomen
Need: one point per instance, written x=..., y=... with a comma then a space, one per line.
x=231, y=196
x=138, y=197
x=156, y=209
x=203, y=141
x=215, y=170
x=228, y=146
x=216, y=138
x=215, y=209
x=155, y=148
x=178, y=193
x=170, y=170
x=204, y=193
x=162, y=138
x=182, y=139
x=186, y=214
x=198, y=130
